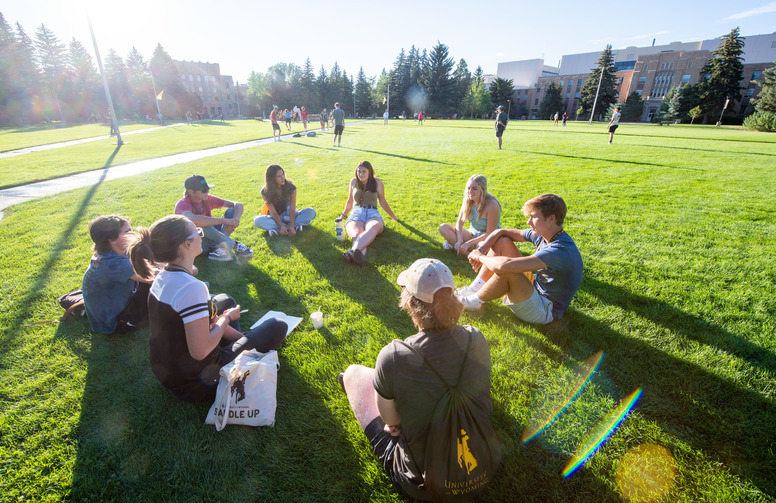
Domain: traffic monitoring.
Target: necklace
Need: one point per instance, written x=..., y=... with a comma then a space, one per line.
x=176, y=268
x=556, y=236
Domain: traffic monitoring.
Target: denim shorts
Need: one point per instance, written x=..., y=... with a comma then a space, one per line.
x=363, y=215
x=475, y=232
x=535, y=309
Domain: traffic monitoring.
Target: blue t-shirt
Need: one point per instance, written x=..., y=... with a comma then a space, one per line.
x=107, y=289
x=339, y=117
x=560, y=280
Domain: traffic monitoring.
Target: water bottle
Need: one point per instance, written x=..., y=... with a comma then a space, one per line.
x=339, y=228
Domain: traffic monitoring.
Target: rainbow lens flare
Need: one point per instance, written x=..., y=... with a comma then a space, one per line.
x=555, y=402
x=601, y=433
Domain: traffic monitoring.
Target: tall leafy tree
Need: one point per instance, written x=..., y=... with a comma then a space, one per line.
x=766, y=98
x=633, y=108
x=141, y=91
x=85, y=84
x=363, y=95
x=501, y=92
x=552, y=102
x=723, y=73
x=477, y=100
x=463, y=81
x=607, y=95
x=437, y=80
x=322, y=87
x=52, y=59
x=307, y=85
x=27, y=76
x=118, y=82
x=400, y=82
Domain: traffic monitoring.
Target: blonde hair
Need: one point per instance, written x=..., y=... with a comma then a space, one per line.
x=468, y=204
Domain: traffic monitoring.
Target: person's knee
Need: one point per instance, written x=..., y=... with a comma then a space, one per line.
x=444, y=228
x=222, y=302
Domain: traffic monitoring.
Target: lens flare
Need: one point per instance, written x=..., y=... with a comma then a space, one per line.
x=555, y=402
x=646, y=473
x=601, y=433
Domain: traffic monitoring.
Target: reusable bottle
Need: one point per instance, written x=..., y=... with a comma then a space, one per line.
x=339, y=228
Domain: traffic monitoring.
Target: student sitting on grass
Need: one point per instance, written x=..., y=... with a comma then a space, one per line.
x=279, y=195
x=395, y=402
x=365, y=223
x=192, y=335
x=115, y=297
x=557, y=263
x=483, y=212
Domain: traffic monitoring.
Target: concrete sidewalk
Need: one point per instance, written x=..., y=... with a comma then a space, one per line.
x=51, y=146
x=15, y=195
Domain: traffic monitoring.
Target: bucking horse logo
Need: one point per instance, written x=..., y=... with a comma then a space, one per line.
x=238, y=387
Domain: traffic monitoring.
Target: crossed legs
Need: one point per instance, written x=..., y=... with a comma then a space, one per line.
x=516, y=286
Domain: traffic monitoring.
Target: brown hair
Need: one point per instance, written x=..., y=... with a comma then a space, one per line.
x=547, y=204
x=371, y=183
x=160, y=243
x=104, y=228
x=442, y=313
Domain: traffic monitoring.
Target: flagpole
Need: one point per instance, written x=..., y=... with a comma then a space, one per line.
x=156, y=96
x=114, y=119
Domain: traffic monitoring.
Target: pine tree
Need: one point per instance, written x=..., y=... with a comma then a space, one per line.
x=463, y=81
x=766, y=98
x=633, y=108
x=118, y=82
x=51, y=60
x=552, y=102
x=363, y=94
x=306, y=82
x=607, y=95
x=140, y=88
x=322, y=89
x=723, y=72
x=175, y=100
x=501, y=92
x=437, y=79
x=85, y=83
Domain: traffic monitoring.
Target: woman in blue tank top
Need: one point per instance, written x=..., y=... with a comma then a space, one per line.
x=483, y=212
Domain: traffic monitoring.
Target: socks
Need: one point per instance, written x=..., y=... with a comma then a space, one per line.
x=477, y=284
x=474, y=298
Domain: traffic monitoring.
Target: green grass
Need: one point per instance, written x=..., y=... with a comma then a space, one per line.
x=48, y=164
x=17, y=138
x=677, y=231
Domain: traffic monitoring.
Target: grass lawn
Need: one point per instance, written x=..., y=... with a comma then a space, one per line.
x=678, y=234
x=48, y=164
x=32, y=136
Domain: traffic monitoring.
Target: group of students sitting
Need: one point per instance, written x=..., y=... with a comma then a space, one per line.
x=149, y=275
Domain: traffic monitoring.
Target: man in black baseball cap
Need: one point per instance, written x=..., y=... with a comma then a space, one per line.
x=501, y=123
x=197, y=205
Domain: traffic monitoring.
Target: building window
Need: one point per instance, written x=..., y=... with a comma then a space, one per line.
x=200, y=88
x=645, y=67
x=199, y=79
x=576, y=95
x=773, y=44
x=749, y=92
x=666, y=66
x=685, y=78
x=639, y=92
x=191, y=78
x=620, y=80
x=662, y=84
x=561, y=83
x=568, y=95
x=755, y=75
x=689, y=64
x=642, y=80
x=536, y=101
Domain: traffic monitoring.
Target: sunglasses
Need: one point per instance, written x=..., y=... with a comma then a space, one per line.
x=199, y=232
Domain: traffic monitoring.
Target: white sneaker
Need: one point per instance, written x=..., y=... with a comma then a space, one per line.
x=272, y=233
x=464, y=291
x=299, y=228
x=447, y=246
x=471, y=305
x=220, y=255
x=242, y=251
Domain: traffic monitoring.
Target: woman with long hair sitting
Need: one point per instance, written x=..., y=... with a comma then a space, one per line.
x=279, y=195
x=483, y=212
x=191, y=338
x=365, y=222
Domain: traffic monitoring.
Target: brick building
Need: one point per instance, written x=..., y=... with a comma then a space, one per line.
x=217, y=93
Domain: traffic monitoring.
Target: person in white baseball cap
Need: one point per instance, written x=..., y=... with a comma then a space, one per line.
x=395, y=401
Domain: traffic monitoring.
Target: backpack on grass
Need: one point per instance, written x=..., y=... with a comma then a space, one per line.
x=462, y=451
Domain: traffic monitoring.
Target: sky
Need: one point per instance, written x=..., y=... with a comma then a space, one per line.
x=251, y=35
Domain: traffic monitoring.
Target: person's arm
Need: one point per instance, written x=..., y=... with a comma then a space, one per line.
x=491, y=214
x=203, y=221
x=349, y=202
x=292, y=214
x=238, y=212
x=381, y=199
x=273, y=212
x=459, y=229
x=501, y=265
x=202, y=338
x=389, y=414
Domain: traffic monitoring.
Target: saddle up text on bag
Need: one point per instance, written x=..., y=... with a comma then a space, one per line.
x=247, y=391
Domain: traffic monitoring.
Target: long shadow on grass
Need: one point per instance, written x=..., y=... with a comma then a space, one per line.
x=615, y=161
x=705, y=150
x=403, y=156
x=28, y=301
x=713, y=414
x=138, y=442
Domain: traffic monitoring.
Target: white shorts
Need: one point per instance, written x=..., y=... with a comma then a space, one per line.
x=535, y=309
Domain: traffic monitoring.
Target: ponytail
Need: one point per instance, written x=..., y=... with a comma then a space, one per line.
x=140, y=253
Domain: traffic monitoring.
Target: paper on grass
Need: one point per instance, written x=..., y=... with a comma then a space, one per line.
x=291, y=321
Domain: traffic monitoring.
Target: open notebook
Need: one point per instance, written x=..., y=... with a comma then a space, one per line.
x=291, y=321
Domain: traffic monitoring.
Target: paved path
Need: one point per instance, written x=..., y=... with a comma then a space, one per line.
x=21, y=193
x=50, y=146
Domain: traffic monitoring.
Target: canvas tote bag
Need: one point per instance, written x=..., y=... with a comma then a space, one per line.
x=246, y=391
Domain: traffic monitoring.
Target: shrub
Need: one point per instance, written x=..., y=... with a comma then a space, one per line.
x=761, y=121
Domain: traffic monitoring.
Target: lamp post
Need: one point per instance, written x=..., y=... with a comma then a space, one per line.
x=113, y=117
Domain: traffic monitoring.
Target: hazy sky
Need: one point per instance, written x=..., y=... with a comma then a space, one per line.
x=244, y=36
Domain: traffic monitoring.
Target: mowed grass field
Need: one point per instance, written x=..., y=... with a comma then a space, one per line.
x=676, y=228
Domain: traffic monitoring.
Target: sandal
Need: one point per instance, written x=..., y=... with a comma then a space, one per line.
x=348, y=256
x=358, y=257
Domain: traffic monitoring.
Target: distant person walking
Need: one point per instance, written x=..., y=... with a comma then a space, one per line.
x=565, y=116
x=303, y=113
x=287, y=115
x=324, y=118
x=614, y=123
x=420, y=118
x=339, y=124
x=556, y=116
x=385, y=118
x=273, y=118
x=501, y=123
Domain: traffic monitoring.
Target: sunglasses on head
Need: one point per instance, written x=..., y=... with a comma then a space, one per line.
x=199, y=232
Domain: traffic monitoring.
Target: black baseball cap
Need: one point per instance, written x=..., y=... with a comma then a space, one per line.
x=501, y=107
x=197, y=182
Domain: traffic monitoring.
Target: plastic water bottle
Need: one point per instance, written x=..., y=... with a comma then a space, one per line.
x=339, y=228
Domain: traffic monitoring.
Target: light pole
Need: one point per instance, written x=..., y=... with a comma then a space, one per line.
x=113, y=117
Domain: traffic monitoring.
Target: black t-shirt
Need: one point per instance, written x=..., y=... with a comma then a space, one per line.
x=282, y=200
x=401, y=375
x=503, y=119
x=177, y=298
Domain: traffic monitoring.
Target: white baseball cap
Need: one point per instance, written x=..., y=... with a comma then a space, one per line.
x=424, y=277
